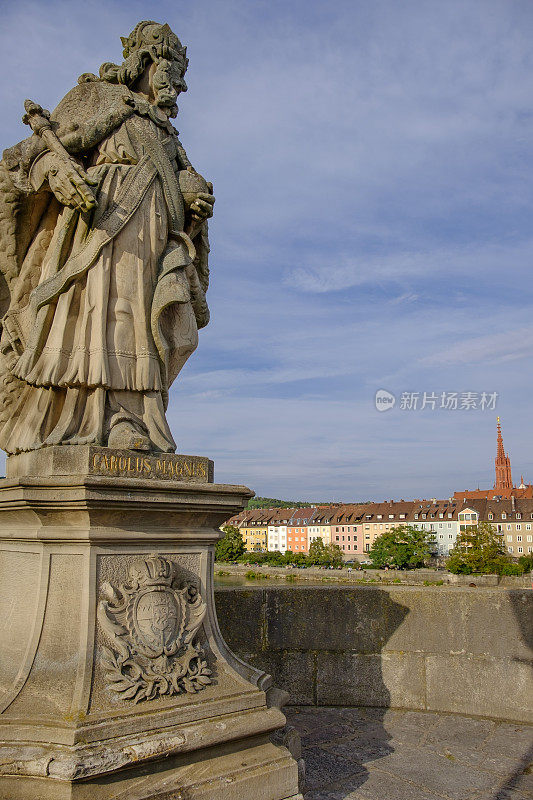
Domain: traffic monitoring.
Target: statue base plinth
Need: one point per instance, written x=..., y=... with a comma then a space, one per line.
x=114, y=679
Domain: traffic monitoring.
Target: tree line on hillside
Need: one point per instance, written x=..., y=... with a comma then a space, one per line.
x=478, y=550
x=271, y=502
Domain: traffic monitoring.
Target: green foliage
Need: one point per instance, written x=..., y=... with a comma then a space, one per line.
x=403, y=547
x=324, y=555
x=296, y=559
x=526, y=563
x=479, y=551
x=270, y=558
x=271, y=502
x=231, y=546
x=511, y=569
x=252, y=575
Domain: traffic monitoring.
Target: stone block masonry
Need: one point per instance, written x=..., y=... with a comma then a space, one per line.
x=455, y=650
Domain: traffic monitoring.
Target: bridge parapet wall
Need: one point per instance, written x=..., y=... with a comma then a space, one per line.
x=447, y=649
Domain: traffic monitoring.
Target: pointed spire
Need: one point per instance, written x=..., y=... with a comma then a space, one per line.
x=502, y=463
x=500, y=452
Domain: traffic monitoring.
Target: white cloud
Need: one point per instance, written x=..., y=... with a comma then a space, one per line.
x=491, y=349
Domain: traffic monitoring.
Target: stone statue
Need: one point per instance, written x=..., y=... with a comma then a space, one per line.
x=103, y=258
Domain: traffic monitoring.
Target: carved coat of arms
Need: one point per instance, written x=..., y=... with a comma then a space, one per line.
x=151, y=624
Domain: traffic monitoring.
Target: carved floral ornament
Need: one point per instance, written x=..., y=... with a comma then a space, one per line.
x=150, y=625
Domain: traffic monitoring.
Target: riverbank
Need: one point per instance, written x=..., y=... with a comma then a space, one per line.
x=246, y=573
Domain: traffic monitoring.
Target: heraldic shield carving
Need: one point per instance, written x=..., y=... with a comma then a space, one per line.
x=151, y=624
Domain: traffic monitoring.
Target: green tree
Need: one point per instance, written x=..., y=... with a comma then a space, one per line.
x=325, y=555
x=479, y=551
x=230, y=546
x=526, y=563
x=297, y=559
x=403, y=547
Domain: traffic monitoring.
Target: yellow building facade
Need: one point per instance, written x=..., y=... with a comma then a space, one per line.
x=255, y=538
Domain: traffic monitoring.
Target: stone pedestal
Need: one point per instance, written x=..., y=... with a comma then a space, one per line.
x=114, y=679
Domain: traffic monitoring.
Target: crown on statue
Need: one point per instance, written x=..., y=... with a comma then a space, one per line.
x=156, y=37
x=152, y=570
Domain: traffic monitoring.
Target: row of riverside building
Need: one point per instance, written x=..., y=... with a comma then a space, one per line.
x=355, y=526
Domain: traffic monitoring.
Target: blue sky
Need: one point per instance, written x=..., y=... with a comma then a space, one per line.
x=373, y=228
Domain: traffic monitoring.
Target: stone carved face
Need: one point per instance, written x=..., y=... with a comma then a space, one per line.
x=167, y=81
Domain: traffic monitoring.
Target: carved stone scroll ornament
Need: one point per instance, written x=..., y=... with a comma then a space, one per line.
x=151, y=626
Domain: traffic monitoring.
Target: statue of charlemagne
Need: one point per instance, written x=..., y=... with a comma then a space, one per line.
x=103, y=258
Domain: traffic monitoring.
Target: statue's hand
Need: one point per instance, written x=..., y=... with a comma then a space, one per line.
x=70, y=183
x=202, y=207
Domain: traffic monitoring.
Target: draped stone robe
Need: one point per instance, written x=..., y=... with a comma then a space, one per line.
x=110, y=319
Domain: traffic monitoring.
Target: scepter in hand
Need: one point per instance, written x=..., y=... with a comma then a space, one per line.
x=67, y=179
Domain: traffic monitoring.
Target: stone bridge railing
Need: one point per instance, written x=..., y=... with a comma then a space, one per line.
x=458, y=650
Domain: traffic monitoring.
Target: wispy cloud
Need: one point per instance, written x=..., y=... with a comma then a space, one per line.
x=491, y=349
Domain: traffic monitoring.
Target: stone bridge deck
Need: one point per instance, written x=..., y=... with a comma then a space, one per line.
x=379, y=754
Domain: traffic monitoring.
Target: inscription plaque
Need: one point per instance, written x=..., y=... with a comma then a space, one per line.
x=165, y=466
x=111, y=463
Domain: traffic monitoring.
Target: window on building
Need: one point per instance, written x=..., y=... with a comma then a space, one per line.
x=509, y=538
x=518, y=538
x=529, y=538
x=510, y=549
x=518, y=527
x=518, y=515
x=520, y=549
x=504, y=515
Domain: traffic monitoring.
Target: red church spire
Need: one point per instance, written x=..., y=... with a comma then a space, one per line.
x=502, y=463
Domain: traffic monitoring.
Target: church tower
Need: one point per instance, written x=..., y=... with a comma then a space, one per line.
x=503, y=464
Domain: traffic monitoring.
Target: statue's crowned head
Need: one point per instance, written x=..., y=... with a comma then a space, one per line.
x=159, y=39
x=151, y=43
